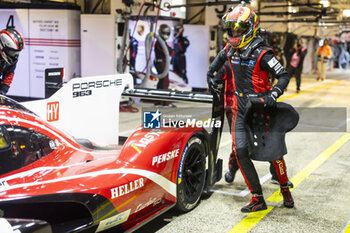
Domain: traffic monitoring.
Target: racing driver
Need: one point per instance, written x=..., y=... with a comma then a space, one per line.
x=11, y=43
x=248, y=65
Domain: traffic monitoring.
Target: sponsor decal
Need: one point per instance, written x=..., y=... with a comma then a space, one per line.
x=113, y=221
x=146, y=139
x=53, y=111
x=85, y=88
x=278, y=68
x=153, y=201
x=237, y=62
x=280, y=166
x=3, y=184
x=126, y=188
x=165, y=157
x=273, y=61
x=248, y=62
x=151, y=120
x=179, y=175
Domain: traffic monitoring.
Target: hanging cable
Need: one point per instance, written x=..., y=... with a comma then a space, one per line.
x=153, y=36
x=132, y=34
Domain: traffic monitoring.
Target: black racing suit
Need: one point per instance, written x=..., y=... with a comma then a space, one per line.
x=246, y=74
x=179, y=59
x=133, y=53
x=7, y=72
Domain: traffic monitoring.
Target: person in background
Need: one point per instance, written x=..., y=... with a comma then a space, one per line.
x=295, y=66
x=11, y=44
x=278, y=54
x=323, y=54
x=164, y=33
x=276, y=48
x=133, y=53
x=249, y=63
x=179, y=59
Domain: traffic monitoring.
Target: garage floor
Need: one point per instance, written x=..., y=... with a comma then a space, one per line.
x=318, y=164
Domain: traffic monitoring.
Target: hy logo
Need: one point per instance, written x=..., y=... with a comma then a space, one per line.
x=151, y=120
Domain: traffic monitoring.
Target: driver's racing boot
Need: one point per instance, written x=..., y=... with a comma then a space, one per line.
x=275, y=181
x=257, y=203
x=287, y=197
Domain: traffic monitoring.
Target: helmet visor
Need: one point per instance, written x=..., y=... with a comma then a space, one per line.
x=11, y=52
x=236, y=28
x=10, y=55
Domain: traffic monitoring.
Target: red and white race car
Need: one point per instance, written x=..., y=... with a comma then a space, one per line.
x=64, y=184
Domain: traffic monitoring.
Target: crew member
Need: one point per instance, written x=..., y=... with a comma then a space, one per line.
x=324, y=53
x=11, y=43
x=164, y=33
x=249, y=63
x=275, y=45
x=179, y=59
x=133, y=52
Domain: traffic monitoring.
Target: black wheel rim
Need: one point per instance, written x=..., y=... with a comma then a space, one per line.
x=193, y=173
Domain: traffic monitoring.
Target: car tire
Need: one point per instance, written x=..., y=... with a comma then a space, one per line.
x=191, y=175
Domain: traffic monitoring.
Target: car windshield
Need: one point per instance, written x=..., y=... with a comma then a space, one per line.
x=13, y=104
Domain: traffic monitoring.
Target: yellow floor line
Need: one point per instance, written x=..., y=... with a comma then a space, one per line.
x=253, y=218
x=226, y=143
x=347, y=230
x=311, y=90
x=250, y=221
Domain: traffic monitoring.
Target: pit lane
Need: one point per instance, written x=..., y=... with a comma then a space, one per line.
x=321, y=193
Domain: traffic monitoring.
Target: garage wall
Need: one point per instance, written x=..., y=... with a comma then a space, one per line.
x=98, y=55
x=52, y=40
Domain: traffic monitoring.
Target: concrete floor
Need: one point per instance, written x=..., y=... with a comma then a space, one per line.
x=317, y=166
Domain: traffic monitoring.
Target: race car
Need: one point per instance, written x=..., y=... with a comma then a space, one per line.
x=53, y=182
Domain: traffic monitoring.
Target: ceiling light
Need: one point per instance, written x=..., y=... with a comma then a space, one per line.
x=253, y=3
x=324, y=3
x=293, y=9
x=346, y=12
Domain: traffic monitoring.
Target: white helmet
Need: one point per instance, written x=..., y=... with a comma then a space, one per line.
x=11, y=43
